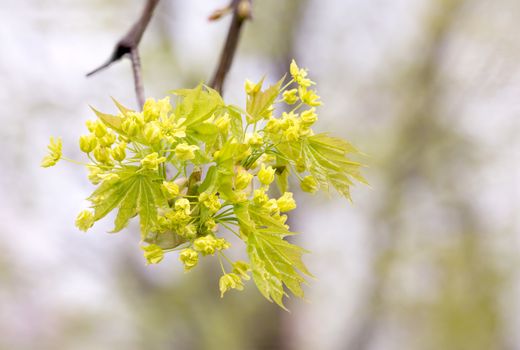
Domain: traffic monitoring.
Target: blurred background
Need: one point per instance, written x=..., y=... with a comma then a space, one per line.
x=427, y=258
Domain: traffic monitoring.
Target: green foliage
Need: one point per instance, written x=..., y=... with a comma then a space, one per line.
x=196, y=167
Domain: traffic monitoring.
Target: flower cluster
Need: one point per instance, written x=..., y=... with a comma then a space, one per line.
x=198, y=168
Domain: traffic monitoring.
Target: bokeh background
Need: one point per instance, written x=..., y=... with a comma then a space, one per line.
x=426, y=258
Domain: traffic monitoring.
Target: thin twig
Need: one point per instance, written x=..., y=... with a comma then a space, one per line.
x=138, y=79
x=241, y=12
x=128, y=45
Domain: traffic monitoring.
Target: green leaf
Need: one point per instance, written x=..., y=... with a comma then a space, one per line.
x=210, y=181
x=133, y=194
x=258, y=104
x=236, y=123
x=112, y=121
x=127, y=207
x=205, y=132
x=125, y=111
x=326, y=158
x=274, y=261
x=198, y=104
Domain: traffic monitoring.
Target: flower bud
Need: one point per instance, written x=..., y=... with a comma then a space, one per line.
x=152, y=133
x=100, y=129
x=286, y=202
x=170, y=189
x=309, y=117
x=150, y=110
x=309, y=184
x=119, y=152
x=183, y=204
x=229, y=281
x=84, y=220
x=184, y=151
x=266, y=175
x=254, y=139
x=189, y=258
x=205, y=245
x=260, y=197
x=102, y=154
x=108, y=140
x=87, y=143
x=153, y=254
x=129, y=126
x=242, y=179
x=94, y=173
x=252, y=88
x=290, y=96
x=152, y=161
x=300, y=165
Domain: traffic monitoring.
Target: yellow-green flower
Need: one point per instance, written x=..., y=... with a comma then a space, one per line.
x=309, y=184
x=252, y=88
x=119, y=152
x=94, y=173
x=152, y=133
x=309, y=117
x=102, y=154
x=184, y=151
x=290, y=96
x=84, y=220
x=189, y=231
x=153, y=254
x=254, y=139
x=130, y=126
x=152, y=161
x=182, y=204
x=152, y=109
x=266, y=175
x=286, y=202
x=230, y=281
x=87, y=143
x=211, y=201
x=210, y=224
x=241, y=268
x=260, y=197
x=272, y=206
x=273, y=125
x=189, y=258
x=108, y=140
x=205, y=245
x=299, y=75
x=242, y=179
x=54, y=155
x=170, y=189
x=223, y=122
x=100, y=129
x=309, y=97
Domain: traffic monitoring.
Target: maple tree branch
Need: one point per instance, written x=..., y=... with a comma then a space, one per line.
x=241, y=12
x=128, y=45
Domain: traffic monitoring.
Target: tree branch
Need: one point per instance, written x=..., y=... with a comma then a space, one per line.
x=241, y=12
x=128, y=45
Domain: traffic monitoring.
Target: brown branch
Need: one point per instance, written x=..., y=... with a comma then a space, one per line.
x=128, y=45
x=241, y=12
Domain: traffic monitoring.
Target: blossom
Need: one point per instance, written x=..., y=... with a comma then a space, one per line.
x=84, y=220
x=54, y=155
x=153, y=254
